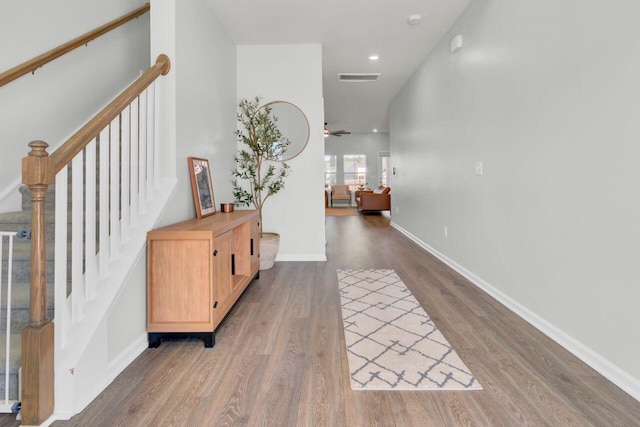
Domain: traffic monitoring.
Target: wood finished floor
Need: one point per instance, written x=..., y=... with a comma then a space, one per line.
x=279, y=358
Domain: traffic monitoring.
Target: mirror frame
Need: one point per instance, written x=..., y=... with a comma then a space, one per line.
x=306, y=121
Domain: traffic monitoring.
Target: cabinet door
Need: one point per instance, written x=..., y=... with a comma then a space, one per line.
x=222, y=278
x=255, y=245
x=179, y=291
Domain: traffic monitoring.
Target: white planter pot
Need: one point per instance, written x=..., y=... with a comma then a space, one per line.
x=269, y=243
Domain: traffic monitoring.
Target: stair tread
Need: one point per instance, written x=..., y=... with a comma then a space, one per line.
x=22, y=250
x=21, y=215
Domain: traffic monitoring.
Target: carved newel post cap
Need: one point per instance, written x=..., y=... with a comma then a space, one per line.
x=38, y=149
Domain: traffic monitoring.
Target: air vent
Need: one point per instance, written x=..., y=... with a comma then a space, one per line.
x=357, y=77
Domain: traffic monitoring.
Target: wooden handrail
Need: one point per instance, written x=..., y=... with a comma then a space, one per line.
x=63, y=155
x=39, y=61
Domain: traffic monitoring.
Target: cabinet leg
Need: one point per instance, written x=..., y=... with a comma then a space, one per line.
x=155, y=338
x=209, y=340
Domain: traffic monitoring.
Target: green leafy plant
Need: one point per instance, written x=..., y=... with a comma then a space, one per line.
x=264, y=144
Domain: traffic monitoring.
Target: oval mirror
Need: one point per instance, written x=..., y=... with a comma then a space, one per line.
x=293, y=125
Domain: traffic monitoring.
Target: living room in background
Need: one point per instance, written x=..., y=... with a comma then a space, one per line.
x=330, y=170
x=355, y=170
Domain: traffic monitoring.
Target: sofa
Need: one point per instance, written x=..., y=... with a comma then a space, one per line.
x=374, y=200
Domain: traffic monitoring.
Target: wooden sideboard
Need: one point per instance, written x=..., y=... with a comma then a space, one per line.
x=196, y=271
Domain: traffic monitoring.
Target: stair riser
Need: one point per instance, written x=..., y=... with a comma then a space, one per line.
x=14, y=365
x=50, y=203
x=19, y=320
x=22, y=270
x=50, y=235
x=13, y=385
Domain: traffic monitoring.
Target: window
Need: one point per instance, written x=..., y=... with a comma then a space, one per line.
x=385, y=167
x=355, y=170
x=330, y=170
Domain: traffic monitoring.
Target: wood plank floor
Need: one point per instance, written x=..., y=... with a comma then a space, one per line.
x=279, y=358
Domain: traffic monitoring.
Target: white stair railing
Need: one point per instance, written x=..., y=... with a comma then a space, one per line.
x=103, y=206
x=6, y=404
x=110, y=206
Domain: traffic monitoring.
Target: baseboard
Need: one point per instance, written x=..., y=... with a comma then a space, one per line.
x=613, y=373
x=114, y=369
x=127, y=357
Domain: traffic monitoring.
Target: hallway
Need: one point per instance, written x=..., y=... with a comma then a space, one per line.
x=279, y=358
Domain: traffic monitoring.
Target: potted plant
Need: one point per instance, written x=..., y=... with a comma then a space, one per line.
x=255, y=165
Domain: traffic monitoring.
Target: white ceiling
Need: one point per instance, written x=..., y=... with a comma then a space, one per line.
x=349, y=31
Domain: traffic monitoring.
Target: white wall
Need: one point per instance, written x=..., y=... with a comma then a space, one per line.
x=61, y=96
x=205, y=104
x=546, y=95
x=369, y=144
x=292, y=73
x=119, y=338
x=198, y=115
x=198, y=111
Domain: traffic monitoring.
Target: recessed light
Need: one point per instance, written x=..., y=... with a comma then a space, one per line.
x=414, y=19
x=375, y=130
x=374, y=57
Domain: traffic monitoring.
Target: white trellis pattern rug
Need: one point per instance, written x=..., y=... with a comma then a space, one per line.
x=392, y=344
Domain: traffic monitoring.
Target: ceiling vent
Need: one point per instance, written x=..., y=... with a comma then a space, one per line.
x=358, y=77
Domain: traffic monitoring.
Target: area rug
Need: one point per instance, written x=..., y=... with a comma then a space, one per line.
x=346, y=211
x=392, y=344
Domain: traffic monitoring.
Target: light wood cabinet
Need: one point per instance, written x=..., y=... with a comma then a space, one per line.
x=196, y=271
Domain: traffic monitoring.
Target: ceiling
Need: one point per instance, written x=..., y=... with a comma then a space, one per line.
x=350, y=31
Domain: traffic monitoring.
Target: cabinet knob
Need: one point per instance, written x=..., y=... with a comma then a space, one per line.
x=215, y=304
x=215, y=252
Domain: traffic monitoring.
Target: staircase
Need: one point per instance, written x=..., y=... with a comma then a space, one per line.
x=110, y=192
x=118, y=197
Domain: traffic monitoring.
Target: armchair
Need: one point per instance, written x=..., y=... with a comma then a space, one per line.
x=340, y=192
x=374, y=200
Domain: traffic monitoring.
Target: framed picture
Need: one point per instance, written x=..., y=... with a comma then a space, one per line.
x=202, y=187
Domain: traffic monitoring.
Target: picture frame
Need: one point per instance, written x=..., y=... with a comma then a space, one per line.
x=202, y=186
